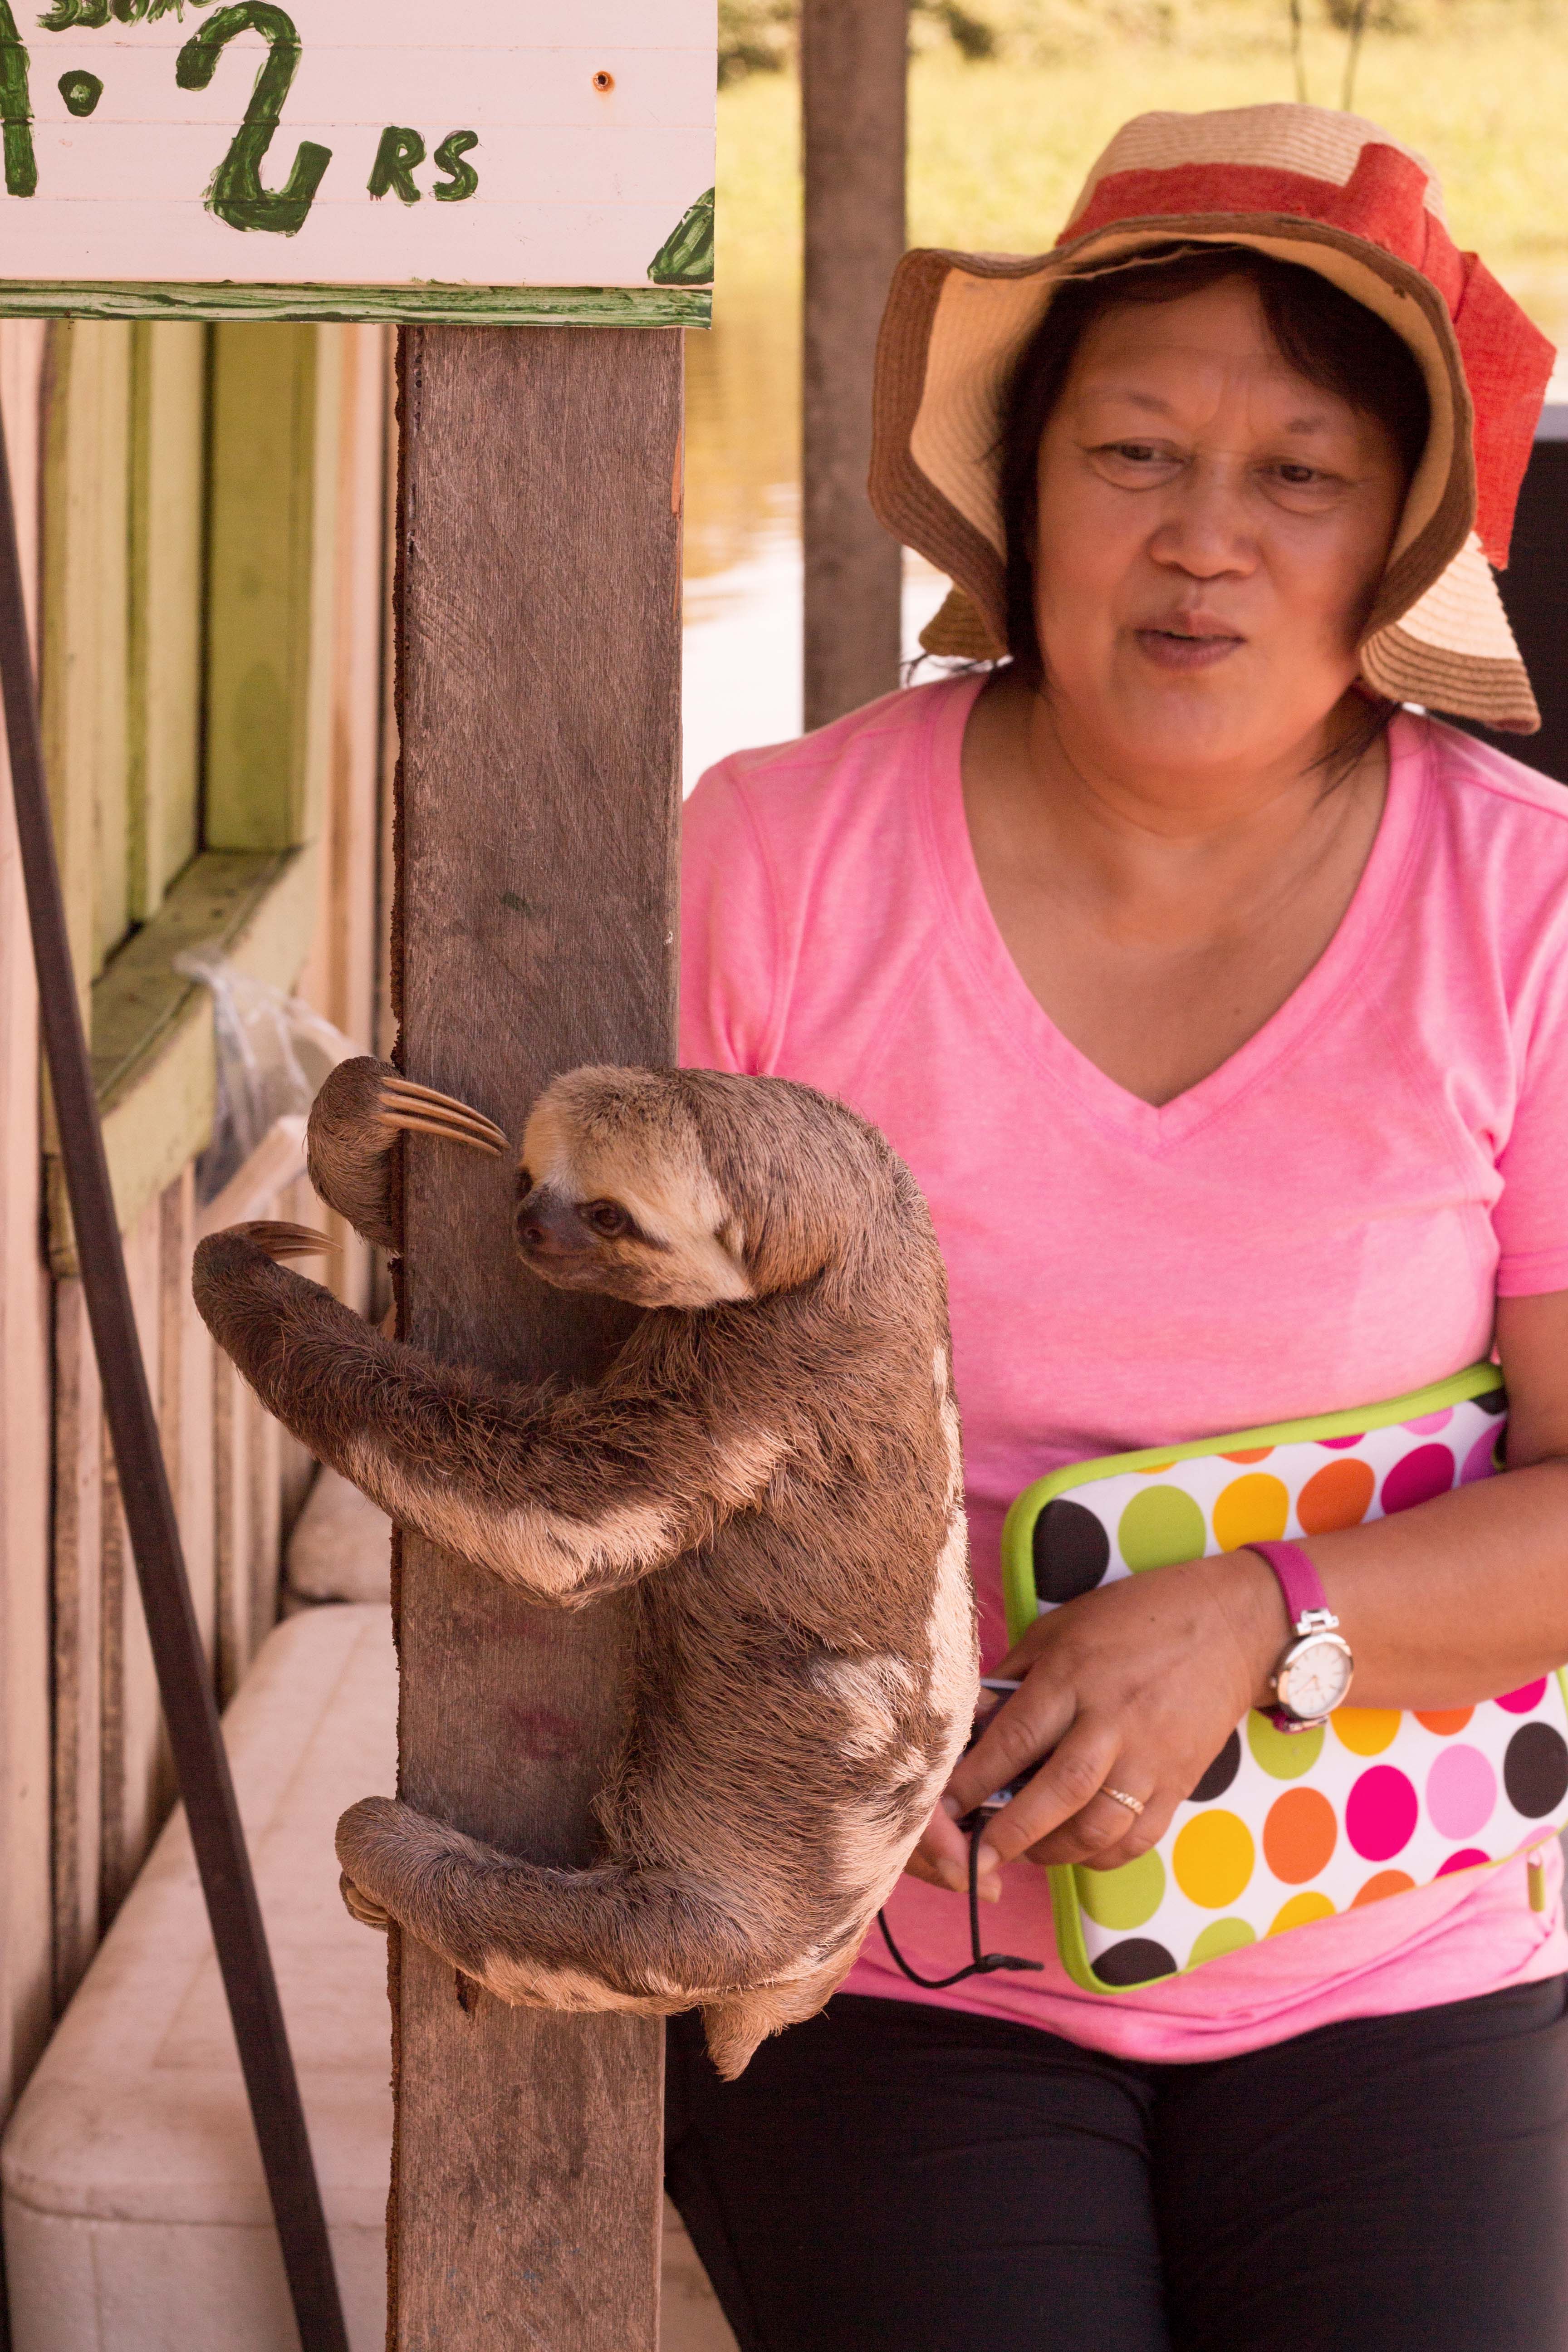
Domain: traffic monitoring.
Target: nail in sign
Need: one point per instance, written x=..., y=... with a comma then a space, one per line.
x=358, y=158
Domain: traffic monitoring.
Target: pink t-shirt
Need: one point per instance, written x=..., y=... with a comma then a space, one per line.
x=1322, y=1222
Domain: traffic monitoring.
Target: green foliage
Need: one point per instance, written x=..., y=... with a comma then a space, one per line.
x=758, y=35
x=755, y=37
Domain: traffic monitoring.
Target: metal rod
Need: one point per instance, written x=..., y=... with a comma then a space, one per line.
x=184, y=1683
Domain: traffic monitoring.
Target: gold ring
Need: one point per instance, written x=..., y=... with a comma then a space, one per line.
x=1120, y=1797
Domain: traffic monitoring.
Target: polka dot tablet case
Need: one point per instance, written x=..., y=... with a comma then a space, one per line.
x=1288, y=1827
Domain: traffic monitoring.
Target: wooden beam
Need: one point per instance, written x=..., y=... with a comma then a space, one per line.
x=276, y=413
x=538, y=637
x=82, y=658
x=853, y=73
x=167, y=496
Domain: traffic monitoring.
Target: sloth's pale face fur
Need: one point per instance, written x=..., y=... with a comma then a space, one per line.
x=614, y=1195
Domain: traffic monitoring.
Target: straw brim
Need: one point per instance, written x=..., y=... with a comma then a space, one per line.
x=954, y=326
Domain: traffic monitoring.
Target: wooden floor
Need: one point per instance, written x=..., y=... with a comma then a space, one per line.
x=689, y=2319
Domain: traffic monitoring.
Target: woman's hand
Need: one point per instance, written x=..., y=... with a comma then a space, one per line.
x=1139, y=1683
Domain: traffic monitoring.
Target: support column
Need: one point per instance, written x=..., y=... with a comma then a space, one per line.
x=853, y=72
x=539, y=647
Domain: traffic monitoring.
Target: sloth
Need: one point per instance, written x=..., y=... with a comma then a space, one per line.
x=771, y=1467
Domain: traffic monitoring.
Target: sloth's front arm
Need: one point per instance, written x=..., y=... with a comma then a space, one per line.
x=356, y=1121
x=568, y=1495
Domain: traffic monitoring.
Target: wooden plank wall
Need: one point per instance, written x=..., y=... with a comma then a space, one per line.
x=26, y=1826
x=167, y=585
x=84, y=1771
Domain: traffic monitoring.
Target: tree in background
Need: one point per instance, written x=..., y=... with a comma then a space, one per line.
x=758, y=35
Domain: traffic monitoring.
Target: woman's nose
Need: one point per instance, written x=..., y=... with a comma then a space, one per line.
x=1207, y=530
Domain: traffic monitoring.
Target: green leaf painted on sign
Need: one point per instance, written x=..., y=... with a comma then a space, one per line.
x=686, y=256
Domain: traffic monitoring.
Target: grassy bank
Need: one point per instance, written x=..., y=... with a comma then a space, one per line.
x=998, y=150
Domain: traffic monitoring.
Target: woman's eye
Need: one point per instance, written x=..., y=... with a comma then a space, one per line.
x=607, y=1217
x=1119, y=460
x=1291, y=475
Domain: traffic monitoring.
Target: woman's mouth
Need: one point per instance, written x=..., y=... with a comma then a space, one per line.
x=1187, y=648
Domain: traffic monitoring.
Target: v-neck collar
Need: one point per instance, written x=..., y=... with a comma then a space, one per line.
x=1031, y=1032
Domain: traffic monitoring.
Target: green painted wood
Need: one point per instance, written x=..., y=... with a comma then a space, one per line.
x=571, y=306
x=86, y=604
x=151, y=1028
x=275, y=422
x=138, y=996
x=168, y=484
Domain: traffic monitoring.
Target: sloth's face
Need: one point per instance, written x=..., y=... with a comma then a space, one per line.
x=606, y=1213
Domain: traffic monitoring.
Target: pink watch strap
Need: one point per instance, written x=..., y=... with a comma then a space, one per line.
x=1299, y=1580
x=1304, y=1599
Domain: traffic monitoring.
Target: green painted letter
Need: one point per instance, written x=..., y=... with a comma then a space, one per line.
x=236, y=195
x=393, y=167
x=16, y=113
x=450, y=155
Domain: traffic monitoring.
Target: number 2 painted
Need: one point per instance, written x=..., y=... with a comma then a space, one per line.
x=236, y=193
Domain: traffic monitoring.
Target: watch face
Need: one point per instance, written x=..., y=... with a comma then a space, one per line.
x=1315, y=1676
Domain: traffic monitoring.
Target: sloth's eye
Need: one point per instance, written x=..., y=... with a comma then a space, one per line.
x=607, y=1217
x=524, y=1185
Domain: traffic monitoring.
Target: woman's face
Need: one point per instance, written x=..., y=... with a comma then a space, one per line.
x=1212, y=530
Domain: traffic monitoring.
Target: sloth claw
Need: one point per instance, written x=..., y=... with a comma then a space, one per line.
x=361, y=1905
x=282, y=1241
x=422, y=1111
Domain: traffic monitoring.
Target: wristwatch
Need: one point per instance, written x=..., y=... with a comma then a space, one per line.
x=1313, y=1676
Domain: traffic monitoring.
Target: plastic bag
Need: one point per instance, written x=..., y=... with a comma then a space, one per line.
x=273, y=1054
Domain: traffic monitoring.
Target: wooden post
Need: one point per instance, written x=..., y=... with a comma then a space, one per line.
x=538, y=646
x=853, y=75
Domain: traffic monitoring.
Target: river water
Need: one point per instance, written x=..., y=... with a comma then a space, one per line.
x=743, y=666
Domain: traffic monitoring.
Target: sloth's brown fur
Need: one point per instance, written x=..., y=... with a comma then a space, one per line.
x=772, y=1462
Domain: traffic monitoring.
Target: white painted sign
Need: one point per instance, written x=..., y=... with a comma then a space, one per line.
x=437, y=157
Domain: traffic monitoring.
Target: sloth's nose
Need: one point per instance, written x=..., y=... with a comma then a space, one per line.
x=547, y=1226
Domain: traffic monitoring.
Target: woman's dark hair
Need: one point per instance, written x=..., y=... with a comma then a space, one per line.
x=1324, y=334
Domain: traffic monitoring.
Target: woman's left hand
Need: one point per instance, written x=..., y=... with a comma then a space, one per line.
x=1138, y=1685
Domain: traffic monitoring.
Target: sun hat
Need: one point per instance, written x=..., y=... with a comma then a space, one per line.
x=1306, y=184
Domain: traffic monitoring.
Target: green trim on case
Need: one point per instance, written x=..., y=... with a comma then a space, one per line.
x=1067, y=1919
x=1018, y=1530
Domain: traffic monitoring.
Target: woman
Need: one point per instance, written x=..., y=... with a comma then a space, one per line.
x=1220, y=1007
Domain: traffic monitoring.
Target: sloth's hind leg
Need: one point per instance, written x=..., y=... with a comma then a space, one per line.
x=602, y=1938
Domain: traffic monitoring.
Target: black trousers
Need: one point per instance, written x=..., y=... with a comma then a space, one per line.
x=897, y=2179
